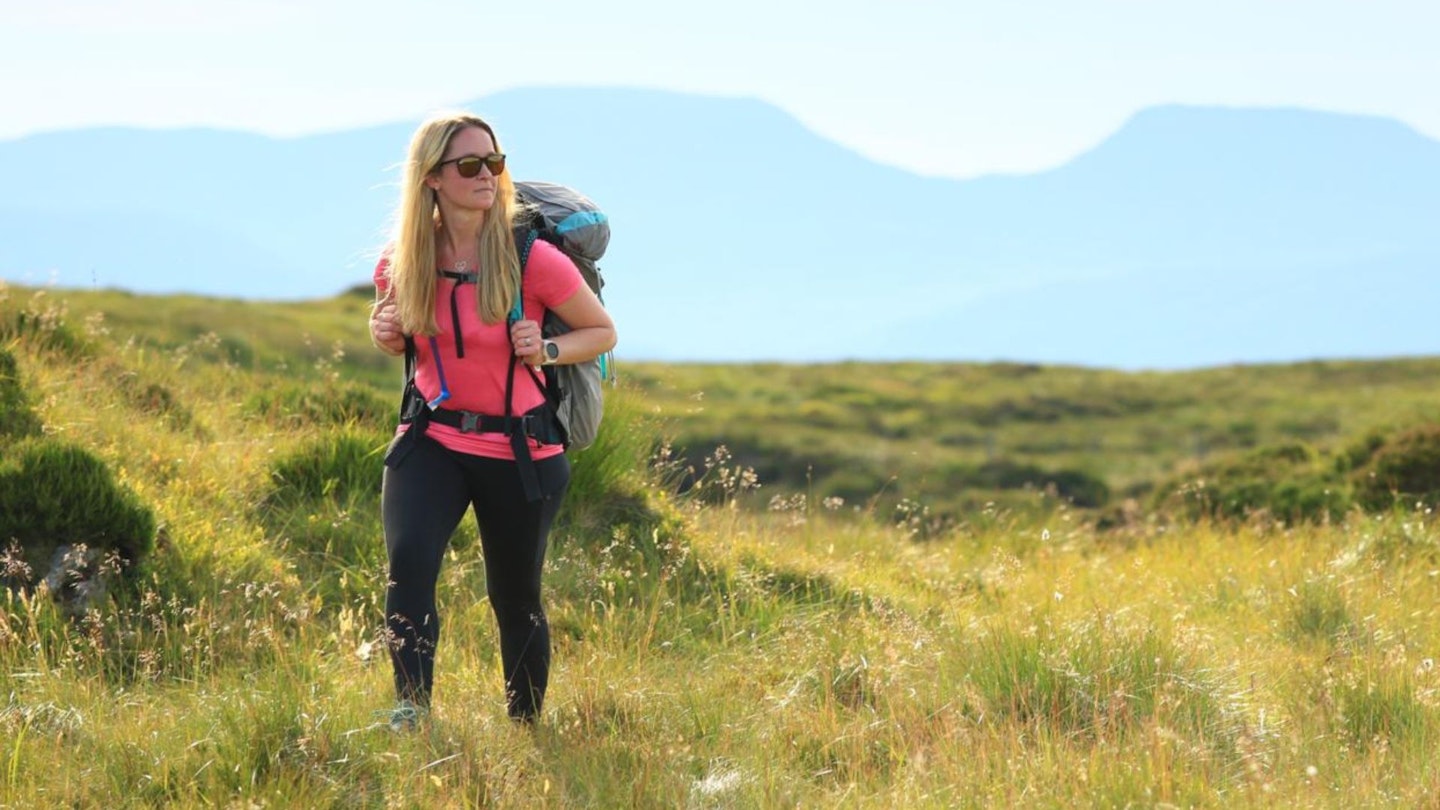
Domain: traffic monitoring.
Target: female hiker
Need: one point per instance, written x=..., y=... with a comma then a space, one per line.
x=476, y=431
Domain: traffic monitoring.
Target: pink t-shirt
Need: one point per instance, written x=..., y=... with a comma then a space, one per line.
x=477, y=380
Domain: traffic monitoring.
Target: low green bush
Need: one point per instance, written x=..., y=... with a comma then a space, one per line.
x=54, y=494
x=1078, y=486
x=1359, y=452
x=1289, y=481
x=614, y=467
x=1403, y=468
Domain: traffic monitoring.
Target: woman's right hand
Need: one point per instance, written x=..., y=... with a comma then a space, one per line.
x=385, y=330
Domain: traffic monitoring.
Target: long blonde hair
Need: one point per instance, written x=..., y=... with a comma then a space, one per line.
x=417, y=218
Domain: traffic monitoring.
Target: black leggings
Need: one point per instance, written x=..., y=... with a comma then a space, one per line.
x=422, y=502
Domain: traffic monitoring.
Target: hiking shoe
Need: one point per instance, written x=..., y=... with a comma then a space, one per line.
x=405, y=717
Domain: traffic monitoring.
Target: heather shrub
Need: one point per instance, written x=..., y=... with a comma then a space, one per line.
x=1290, y=481
x=1404, y=467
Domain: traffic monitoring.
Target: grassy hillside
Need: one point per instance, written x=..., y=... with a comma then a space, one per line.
x=802, y=653
x=958, y=436
x=952, y=437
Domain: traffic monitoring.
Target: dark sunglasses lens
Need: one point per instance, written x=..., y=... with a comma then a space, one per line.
x=470, y=166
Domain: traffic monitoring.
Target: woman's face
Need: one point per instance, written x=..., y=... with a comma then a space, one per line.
x=472, y=193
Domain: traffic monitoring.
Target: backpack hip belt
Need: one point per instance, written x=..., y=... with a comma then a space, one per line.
x=536, y=423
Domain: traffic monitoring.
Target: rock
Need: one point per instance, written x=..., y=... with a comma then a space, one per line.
x=78, y=579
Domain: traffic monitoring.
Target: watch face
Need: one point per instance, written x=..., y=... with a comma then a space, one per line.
x=551, y=350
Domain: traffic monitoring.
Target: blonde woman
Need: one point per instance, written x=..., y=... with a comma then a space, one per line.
x=475, y=433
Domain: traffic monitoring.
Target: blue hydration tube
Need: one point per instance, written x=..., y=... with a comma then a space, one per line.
x=439, y=369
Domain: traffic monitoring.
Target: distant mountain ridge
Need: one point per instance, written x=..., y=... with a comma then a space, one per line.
x=1192, y=236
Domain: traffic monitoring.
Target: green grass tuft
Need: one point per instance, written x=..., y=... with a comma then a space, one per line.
x=343, y=466
x=17, y=418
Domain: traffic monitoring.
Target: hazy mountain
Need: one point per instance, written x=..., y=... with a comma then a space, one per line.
x=1191, y=236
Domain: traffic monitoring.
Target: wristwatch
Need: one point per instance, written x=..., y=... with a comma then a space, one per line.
x=550, y=352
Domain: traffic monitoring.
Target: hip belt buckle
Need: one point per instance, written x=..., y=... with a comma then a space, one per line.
x=521, y=423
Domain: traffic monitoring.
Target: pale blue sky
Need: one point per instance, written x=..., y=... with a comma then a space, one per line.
x=942, y=87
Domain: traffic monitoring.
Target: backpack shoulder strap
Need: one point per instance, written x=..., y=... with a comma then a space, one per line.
x=525, y=236
x=410, y=399
x=524, y=240
x=529, y=478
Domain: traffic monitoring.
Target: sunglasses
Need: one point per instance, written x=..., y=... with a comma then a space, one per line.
x=470, y=165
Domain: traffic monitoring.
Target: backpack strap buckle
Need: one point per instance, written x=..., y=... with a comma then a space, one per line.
x=519, y=423
x=469, y=422
x=411, y=408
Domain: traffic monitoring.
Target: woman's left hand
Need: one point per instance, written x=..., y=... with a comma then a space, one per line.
x=525, y=337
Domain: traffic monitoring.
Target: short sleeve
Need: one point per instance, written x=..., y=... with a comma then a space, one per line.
x=550, y=277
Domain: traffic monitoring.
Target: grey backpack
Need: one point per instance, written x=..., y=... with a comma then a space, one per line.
x=573, y=223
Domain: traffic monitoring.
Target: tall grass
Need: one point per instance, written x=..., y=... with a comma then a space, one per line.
x=721, y=647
